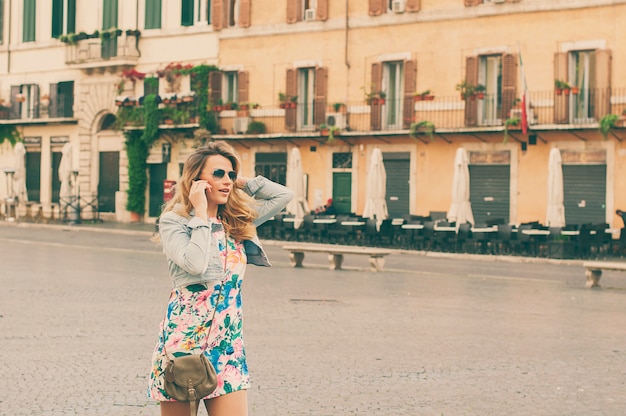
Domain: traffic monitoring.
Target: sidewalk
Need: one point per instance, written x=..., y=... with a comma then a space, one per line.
x=99, y=226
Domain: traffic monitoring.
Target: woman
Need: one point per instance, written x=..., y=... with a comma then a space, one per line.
x=208, y=232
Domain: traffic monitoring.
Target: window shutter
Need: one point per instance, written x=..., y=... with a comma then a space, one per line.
x=321, y=95
x=244, y=13
x=561, y=110
x=217, y=14
x=603, y=83
x=109, y=14
x=243, y=84
x=71, y=16
x=66, y=98
x=471, y=77
x=376, y=108
x=376, y=7
x=473, y=2
x=410, y=84
x=292, y=11
x=57, y=18
x=53, y=107
x=29, y=21
x=153, y=14
x=186, y=13
x=215, y=85
x=15, y=105
x=291, y=89
x=321, y=10
x=34, y=90
x=412, y=6
x=509, y=83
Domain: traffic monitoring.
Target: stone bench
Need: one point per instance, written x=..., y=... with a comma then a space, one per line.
x=336, y=253
x=593, y=271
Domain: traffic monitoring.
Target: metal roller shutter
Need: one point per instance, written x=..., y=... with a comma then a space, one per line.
x=489, y=192
x=584, y=194
x=398, y=169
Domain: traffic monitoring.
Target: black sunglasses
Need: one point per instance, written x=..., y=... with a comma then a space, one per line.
x=219, y=174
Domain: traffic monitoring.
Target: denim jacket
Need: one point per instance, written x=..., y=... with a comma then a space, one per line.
x=193, y=256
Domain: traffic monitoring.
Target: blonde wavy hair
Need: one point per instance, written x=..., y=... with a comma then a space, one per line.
x=237, y=214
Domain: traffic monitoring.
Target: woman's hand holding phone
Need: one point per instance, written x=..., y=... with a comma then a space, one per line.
x=197, y=197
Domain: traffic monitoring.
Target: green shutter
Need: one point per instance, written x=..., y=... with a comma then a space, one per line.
x=28, y=29
x=109, y=14
x=187, y=13
x=57, y=18
x=71, y=16
x=153, y=14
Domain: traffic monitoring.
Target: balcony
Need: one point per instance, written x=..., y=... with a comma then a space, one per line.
x=92, y=53
x=449, y=115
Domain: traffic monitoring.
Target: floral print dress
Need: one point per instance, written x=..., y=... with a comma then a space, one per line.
x=188, y=322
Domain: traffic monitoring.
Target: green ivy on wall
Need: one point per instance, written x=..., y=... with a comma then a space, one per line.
x=200, y=85
x=9, y=133
x=138, y=145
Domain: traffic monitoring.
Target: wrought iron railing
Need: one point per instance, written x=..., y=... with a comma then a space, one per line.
x=545, y=110
x=97, y=50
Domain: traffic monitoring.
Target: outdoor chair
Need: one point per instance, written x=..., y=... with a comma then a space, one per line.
x=308, y=231
x=340, y=234
x=385, y=233
x=444, y=240
x=463, y=235
x=427, y=237
x=502, y=241
x=522, y=245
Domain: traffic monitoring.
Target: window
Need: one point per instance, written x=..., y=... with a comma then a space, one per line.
x=25, y=101
x=150, y=86
x=231, y=9
x=490, y=76
x=589, y=71
x=63, y=17
x=29, y=21
x=306, y=92
x=582, y=75
x=204, y=11
x=273, y=166
x=153, y=14
x=230, y=87
x=497, y=75
x=392, y=87
x=342, y=160
x=308, y=10
x=61, y=100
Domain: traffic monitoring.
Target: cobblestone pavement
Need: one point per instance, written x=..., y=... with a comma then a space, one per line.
x=448, y=336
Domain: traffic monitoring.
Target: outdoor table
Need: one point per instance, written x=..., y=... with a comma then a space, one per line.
x=533, y=231
x=352, y=223
x=445, y=228
x=413, y=226
x=289, y=219
x=324, y=221
x=485, y=230
x=570, y=232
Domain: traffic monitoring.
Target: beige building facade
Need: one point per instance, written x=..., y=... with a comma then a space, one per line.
x=458, y=69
